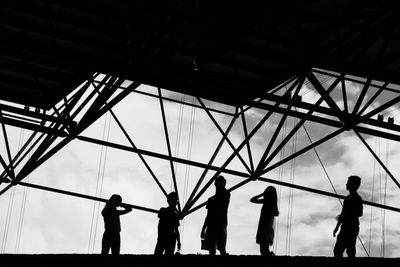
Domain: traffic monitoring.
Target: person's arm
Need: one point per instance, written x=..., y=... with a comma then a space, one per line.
x=178, y=237
x=360, y=208
x=203, y=229
x=339, y=222
x=125, y=210
x=257, y=199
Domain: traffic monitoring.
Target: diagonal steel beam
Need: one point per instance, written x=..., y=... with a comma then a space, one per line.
x=321, y=90
x=280, y=125
x=10, y=166
x=210, y=162
x=378, y=159
x=344, y=96
x=164, y=119
x=78, y=129
x=372, y=99
x=139, y=154
x=244, y=142
x=382, y=107
x=223, y=134
x=324, y=95
x=303, y=150
x=246, y=136
x=7, y=170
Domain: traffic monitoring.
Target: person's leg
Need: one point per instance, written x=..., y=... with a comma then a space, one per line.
x=170, y=246
x=159, y=247
x=105, y=243
x=212, y=247
x=351, y=245
x=116, y=244
x=221, y=240
x=264, y=249
x=340, y=245
x=211, y=240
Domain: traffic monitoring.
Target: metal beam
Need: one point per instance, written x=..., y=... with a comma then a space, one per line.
x=139, y=154
x=210, y=162
x=377, y=158
x=161, y=156
x=74, y=194
x=164, y=119
x=246, y=136
x=324, y=193
x=222, y=132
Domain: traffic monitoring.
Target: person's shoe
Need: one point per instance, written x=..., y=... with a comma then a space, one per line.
x=272, y=253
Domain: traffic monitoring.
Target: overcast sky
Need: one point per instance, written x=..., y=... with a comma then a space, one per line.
x=35, y=221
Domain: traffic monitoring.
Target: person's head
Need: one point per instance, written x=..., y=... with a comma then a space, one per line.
x=353, y=183
x=270, y=194
x=220, y=182
x=115, y=200
x=172, y=199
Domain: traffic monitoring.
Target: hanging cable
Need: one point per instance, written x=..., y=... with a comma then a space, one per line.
x=8, y=219
x=178, y=135
x=188, y=157
x=99, y=180
x=290, y=201
x=372, y=198
x=9, y=211
x=280, y=177
x=23, y=202
x=384, y=201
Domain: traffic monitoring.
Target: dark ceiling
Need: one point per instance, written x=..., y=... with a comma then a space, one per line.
x=227, y=51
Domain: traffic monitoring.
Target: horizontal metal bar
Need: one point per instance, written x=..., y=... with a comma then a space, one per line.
x=32, y=127
x=324, y=193
x=161, y=156
x=55, y=190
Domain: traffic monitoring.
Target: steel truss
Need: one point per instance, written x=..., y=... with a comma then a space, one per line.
x=68, y=120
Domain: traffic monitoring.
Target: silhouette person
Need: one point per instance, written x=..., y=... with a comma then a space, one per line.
x=265, y=231
x=168, y=233
x=348, y=221
x=111, y=236
x=214, y=228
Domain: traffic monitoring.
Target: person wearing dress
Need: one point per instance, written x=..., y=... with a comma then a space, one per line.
x=265, y=231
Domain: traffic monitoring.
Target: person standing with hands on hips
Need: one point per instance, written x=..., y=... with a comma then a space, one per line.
x=348, y=220
x=213, y=232
x=168, y=232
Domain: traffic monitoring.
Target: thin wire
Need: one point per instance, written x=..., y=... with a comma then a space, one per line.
x=380, y=177
x=8, y=215
x=23, y=203
x=384, y=201
x=101, y=182
x=178, y=135
x=280, y=175
x=8, y=219
x=372, y=198
x=291, y=195
x=97, y=189
x=189, y=156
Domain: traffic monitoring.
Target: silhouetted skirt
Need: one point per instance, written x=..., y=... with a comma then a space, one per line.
x=265, y=230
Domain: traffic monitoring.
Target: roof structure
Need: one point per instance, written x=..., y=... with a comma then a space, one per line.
x=73, y=61
x=225, y=51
